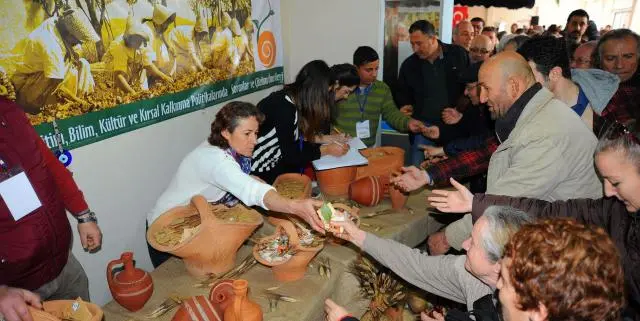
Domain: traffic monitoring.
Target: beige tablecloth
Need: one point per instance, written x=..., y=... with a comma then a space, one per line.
x=405, y=227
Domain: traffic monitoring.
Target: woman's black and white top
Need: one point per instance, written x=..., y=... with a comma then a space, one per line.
x=278, y=150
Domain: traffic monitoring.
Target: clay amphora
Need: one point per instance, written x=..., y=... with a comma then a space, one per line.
x=242, y=309
x=213, y=248
x=132, y=287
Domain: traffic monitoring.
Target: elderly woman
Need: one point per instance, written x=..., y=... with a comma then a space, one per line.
x=617, y=158
x=219, y=170
x=561, y=270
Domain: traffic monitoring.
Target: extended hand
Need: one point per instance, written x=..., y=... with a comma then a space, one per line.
x=306, y=210
x=415, y=126
x=334, y=149
x=458, y=201
x=90, y=236
x=334, y=312
x=435, y=316
x=451, y=116
x=14, y=301
x=350, y=232
x=407, y=110
x=411, y=179
x=438, y=244
x=432, y=151
x=432, y=132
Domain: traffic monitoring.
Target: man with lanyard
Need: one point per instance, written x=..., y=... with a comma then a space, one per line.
x=36, y=192
x=428, y=80
x=359, y=114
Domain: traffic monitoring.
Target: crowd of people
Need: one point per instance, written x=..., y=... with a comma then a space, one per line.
x=541, y=126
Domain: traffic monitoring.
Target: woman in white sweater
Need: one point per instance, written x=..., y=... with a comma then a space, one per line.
x=219, y=170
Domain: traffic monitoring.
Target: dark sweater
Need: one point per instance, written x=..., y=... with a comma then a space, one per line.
x=278, y=150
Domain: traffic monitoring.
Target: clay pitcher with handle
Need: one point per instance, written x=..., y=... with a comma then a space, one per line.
x=242, y=309
x=132, y=287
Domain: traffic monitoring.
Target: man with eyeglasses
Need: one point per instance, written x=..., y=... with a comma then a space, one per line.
x=581, y=58
x=481, y=48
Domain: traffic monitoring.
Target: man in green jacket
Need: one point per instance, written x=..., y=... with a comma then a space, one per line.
x=358, y=115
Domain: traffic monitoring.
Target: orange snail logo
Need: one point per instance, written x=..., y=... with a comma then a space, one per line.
x=266, y=42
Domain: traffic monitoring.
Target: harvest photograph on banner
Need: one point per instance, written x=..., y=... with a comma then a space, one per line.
x=99, y=68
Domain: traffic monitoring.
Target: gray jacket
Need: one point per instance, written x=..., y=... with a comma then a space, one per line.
x=548, y=155
x=443, y=275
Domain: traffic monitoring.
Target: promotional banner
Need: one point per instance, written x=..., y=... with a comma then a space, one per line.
x=88, y=70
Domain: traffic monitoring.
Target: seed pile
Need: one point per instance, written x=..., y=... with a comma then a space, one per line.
x=290, y=188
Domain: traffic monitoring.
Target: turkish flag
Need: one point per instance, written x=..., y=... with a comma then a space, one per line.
x=460, y=13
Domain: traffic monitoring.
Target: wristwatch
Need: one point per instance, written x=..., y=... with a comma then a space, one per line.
x=86, y=217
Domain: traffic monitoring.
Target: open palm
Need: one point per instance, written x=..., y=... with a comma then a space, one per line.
x=458, y=201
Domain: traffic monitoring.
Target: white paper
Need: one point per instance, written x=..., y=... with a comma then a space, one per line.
x=357, y=143
x=19, y=196
x=363, y=129
x=351, y=158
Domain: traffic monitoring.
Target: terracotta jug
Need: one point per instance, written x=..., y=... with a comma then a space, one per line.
x=221, y=295
x=242, y=309
x=197, y=308
x=132, y=287
x=197, y=251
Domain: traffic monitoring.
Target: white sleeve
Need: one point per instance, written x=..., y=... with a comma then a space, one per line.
x=226, y=174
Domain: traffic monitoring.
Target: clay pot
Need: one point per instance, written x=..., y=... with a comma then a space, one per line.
x=295, y=267
x=221, y=295
x=335, y=182
x=354, y=211
x=197, y=308
x=242, y=309
x=383, y=161
x=398, y=198
x=368, y=191
x=213, y=248
x=132, y=287
x=54, y=310
x=276, y=217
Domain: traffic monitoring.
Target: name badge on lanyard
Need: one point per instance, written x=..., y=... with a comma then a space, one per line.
x=17, y=192
x=363, y=130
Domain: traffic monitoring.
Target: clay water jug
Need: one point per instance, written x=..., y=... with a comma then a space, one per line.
x=132, y=287
x=242, y=309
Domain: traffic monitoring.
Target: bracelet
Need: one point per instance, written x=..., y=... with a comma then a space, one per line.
x=87, y=217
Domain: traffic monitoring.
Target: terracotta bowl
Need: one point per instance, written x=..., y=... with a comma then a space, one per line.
x=354, y=211
x=213, y=248
x=52, y=310
x=296, y=266
x=335, y=182
x=383, y=161
x=276, y=217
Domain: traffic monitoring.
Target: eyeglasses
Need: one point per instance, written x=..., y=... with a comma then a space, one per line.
x=479, y=50
x=613, y=129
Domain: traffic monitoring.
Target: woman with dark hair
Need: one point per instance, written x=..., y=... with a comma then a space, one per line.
x=294, y=117
x=218, y=169
x=346, y=76
x=617, y=158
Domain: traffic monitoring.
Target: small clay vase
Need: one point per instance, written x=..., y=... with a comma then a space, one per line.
x=398, y=198
x=221, y=295
x=242, y=309
x=132, y=287
x=197, y=308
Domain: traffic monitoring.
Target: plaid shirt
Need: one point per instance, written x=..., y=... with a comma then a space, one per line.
x=465, y=164
x=623, y=106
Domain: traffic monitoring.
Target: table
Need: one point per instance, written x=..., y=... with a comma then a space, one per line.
x=409, y=228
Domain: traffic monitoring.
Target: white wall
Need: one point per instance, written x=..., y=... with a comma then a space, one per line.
x=330, y=30
x=121, y=179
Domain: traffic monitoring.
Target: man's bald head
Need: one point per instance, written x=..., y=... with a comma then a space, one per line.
x=481, y=48
x=503, y=79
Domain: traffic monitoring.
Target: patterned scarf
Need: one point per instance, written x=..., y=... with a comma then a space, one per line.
x=229, y=199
